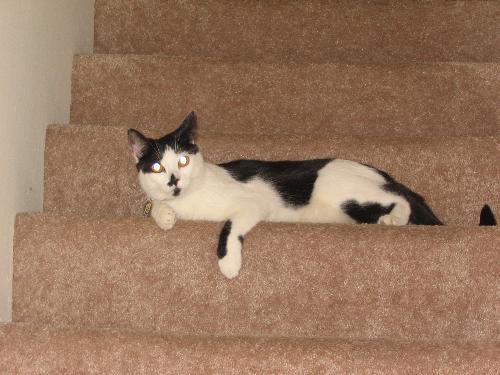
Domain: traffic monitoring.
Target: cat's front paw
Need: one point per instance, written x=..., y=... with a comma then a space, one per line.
x=230, y=265
x=164, y=216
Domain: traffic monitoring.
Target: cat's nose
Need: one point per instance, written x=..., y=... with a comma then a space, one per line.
x=173, y=181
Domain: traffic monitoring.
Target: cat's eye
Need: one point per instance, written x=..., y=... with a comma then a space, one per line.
x=183, y=161
x=157, y=168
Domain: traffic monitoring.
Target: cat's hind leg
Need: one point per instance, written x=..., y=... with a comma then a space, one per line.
x=393, y=211
x=399, y=215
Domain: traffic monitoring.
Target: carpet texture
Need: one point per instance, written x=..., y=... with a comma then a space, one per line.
x=410, y=87
x=357, y=282
x=449, y=99
x=348, y=31
x=457, y=175
x=30, y=350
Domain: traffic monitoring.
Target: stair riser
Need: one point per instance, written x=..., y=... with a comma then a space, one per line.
x=308, y=280
x=27, y=350
x=369, y=32
x=364, y=100
x=90, y=170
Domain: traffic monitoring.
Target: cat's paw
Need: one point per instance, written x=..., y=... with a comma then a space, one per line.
x=164, y=216
x=391, y=220
x=230, y=265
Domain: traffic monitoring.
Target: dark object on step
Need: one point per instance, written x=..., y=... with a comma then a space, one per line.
x=487, y=217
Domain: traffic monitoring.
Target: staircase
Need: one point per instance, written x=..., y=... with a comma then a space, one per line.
x=410, y=87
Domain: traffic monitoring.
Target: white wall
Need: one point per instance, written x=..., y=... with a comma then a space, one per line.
x=37, y=41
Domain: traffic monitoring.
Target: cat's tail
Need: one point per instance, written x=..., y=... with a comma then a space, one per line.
x=487, y=218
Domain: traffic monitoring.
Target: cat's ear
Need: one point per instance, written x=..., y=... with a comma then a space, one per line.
x=186, y=132
x=138, y=144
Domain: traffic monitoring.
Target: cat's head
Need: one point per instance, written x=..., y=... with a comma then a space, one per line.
x=167, y=165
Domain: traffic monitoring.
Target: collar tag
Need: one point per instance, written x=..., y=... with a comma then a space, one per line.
x=148, y=206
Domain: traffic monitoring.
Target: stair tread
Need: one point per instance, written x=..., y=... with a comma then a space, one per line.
x=37, y=349
x=351, y=281
x=411, y=88
x=89, y=169
x=263, y=98
x=313, y=30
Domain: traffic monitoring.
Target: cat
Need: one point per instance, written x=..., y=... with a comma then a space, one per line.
x=181, y=184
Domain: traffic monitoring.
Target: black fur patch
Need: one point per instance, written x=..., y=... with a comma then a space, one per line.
x=224, y=234
x=421, y=213
x=180, y=140
x=294, y=180
x=173, y=180
x=366, y=213
x=487, y=218
x=153, y=154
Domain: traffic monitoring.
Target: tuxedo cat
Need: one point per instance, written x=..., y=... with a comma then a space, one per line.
x=180, y=183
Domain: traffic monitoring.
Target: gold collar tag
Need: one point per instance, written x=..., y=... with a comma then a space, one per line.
x=148, y=206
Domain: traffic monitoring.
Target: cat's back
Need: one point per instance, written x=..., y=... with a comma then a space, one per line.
x=244, y=170
x=292, y=180
x=286, y=171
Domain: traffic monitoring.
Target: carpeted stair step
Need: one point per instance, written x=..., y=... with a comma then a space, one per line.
x=90, y=170
x=348, y=31
x=352, y=282
x=446, y=99
x=26, y=349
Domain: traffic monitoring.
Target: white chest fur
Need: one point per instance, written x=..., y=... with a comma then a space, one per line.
x=216, y=196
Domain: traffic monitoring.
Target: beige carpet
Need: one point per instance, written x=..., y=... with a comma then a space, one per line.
x=357, y=282
x=259, y=98
x=359, y=31
x=409, y=87
x=57, y=351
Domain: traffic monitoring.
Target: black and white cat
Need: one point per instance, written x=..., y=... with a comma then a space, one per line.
x=174, y=175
